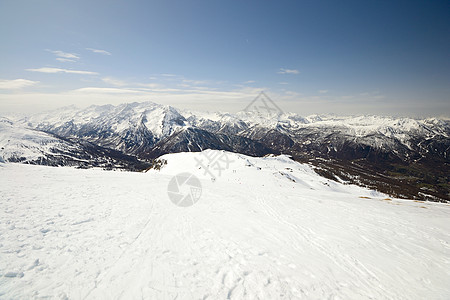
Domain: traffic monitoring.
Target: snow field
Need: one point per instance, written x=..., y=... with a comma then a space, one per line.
x=266, y=228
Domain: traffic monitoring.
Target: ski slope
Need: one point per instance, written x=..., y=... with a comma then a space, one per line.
x=263, y=228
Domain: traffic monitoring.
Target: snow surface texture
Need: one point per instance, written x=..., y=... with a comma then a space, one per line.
x=266, y=228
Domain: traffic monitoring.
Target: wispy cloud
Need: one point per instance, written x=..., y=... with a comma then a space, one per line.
x=66, y=56
x=113, y=81
x=287, y=71
x=61, y=59
x=249, y=81
x=167, y=92
x=99, y=51
x=16, y=84
x=122, y=83
x=323, y=91
x=97, y=90
x=58, y=70
x=149, y=85
x=194, y=82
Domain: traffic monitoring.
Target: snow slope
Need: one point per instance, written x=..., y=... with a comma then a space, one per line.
x=25, y=144
x=265, y=228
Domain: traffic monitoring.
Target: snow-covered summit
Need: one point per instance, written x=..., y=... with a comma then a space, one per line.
x=163, y=120
x=158, y=118
x=219, y=165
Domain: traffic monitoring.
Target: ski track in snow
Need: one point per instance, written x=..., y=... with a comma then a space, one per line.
x=254, y=234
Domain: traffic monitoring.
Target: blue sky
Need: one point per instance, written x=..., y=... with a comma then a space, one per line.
x=343, y=57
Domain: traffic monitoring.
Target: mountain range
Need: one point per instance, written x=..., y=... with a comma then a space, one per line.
x=403, y=157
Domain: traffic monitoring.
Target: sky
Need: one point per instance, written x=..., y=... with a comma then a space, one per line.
x=310, y=57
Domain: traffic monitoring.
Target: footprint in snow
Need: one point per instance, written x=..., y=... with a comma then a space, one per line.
x=14, y=274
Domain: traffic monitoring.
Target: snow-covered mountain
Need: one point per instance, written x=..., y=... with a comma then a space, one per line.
x=138, y=127
x=130, y=128
x=367, y=150
x=266, y=228
x=31, y=146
